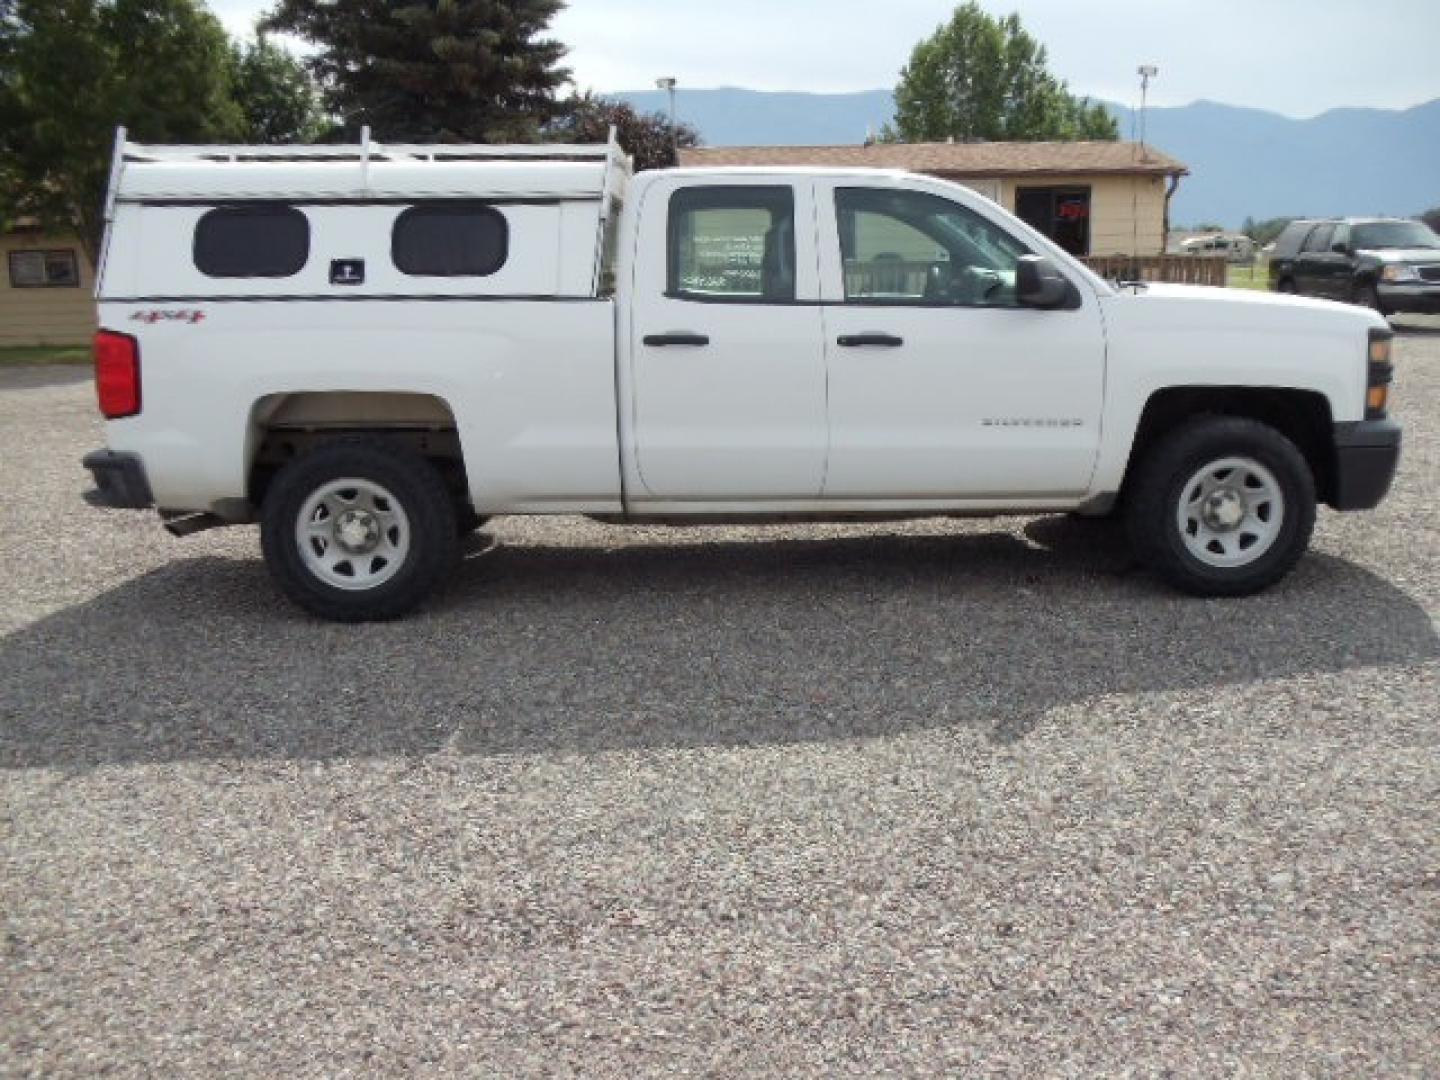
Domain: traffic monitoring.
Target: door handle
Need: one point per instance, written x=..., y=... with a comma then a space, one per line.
x=888, y=341
x=680, y=337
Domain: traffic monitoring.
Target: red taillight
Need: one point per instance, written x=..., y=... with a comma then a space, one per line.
x=117, y=374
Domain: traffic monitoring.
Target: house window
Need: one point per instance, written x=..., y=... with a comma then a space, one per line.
x=460, y=239
x=732, y=244
x=266, y=240
x=1062, y=214
x=44, y=269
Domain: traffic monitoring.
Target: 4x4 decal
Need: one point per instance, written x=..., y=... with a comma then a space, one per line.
x=181, y=315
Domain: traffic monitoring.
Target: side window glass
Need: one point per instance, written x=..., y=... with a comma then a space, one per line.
x=264, y=240
x=1320, y=239
x=734, y=244
x=458, y=239
x=911, y=247
x=1341, y=235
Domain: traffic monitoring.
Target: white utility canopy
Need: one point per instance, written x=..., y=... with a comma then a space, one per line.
x=368, y=170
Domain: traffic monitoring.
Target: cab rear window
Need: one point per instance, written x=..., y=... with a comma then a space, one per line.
x=260, y=241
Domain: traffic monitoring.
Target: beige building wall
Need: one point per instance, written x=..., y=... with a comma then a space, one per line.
x=1127, y=213
x=46, y=314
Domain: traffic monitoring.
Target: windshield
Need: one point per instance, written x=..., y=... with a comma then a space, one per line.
x=1394, y=234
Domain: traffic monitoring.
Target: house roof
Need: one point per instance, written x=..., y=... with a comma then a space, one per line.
x=980, y=159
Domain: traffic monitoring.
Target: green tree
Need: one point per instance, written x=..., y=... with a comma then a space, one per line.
x=72, y=70
x=981, y=77
x=278, y=99
x=433, y=70
x=1262, y=232
x=647, y=137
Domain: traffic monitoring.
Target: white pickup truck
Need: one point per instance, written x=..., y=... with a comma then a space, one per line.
x=371, y=349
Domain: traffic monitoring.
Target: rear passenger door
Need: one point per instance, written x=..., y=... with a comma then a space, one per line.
x=1311, y=265
x=727, y=367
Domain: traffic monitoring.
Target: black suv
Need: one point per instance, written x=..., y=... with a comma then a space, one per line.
x=1385, y=263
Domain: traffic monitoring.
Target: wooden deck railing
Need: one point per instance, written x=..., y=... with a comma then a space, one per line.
x=1181, y=269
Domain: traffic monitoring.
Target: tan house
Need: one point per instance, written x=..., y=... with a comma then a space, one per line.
x=47, y=291
x=1092, y=198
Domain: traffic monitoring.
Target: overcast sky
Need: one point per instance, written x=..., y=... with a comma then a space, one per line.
x=1298, y=57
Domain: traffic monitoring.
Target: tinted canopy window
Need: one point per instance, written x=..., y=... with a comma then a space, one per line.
x=450, y=240
x=252, y=241
x=732, y=243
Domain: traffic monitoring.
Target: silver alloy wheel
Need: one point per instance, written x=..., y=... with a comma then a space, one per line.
x=1231, y=512
x=352, y=534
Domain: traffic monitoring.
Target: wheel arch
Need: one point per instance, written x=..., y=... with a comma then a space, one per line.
x=287, y=424
x=1302, y=416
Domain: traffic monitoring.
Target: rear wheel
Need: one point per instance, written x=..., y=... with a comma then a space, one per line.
x=1223, y=506
x=358, y=531
x=1285, y=285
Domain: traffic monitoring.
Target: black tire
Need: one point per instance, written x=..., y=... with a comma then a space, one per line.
x=1285, y=285
x=1164, y=473
x=467, y=520
x=433, y=545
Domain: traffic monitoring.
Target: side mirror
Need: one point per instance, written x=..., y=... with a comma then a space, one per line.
x=1038, y=284
x=1341, y=248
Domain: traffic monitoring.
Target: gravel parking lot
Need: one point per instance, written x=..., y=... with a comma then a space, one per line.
x=912, y=798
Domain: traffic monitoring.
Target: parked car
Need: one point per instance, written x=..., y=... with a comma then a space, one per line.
x=367, y=350
x=1387, y=264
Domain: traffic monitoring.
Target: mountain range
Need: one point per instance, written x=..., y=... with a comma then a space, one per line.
x=1243, y=162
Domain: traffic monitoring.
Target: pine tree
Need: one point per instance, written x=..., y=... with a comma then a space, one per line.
x=279, y=100
x=433, y=70
x=979, y=77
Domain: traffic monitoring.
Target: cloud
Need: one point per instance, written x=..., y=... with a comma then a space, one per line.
x=1297, y=57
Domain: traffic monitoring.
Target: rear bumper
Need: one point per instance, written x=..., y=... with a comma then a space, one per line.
x=120, y=481
x=1366, y=455
x=1418, y=299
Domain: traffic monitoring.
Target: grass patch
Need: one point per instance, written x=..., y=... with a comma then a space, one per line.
x=11, y=355
x=1254, y=276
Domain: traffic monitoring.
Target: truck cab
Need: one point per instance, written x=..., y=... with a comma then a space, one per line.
x=370, y=350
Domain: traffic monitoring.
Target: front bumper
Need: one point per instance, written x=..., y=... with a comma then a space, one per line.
x=1420, y=299
x=120, y=481
x=1366, y=455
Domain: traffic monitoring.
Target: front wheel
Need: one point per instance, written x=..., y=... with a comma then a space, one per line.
x=1367, y=296
x=358, y=531
x=1223, y=506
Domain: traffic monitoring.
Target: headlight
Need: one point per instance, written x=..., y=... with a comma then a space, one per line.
x=1398, y=272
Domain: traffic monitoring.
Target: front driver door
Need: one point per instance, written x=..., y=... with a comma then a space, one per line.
x=941, y=386
x=728, y=365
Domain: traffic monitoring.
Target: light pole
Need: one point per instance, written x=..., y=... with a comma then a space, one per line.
x=667, y=82
x=1146, y=73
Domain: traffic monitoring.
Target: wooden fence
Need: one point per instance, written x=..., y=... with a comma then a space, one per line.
x=1182, y=269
